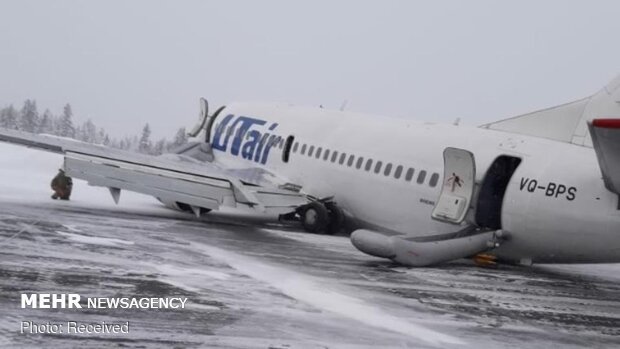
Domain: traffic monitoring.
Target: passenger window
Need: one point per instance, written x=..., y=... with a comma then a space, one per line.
x=368, y=165
x=343, y=156
x=295, y=147
x=360, y=162
x=318, y=152
x=378, y=166
x=303, y=149
x=421, y=177
x=311, y=150
x=351, y=159
x=409, y=174
x=398, y=172
x=334, y=156
x=326, y=155
x=286, y=154
x=388, y=169
x=434, y=180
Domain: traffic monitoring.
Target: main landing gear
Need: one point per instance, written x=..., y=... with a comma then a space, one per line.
x=319, y=217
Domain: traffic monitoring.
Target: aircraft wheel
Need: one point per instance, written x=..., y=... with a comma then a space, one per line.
x=336, y=218
x=315, y=218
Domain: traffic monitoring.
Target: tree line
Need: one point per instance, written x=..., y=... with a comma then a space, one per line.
x=29, y=119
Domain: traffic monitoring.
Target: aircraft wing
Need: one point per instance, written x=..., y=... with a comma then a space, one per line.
x=171, y=177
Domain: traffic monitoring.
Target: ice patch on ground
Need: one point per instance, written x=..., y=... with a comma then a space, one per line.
x=71, y=227
x=341, y=243
x=94, y=240
x=190, y=279
x=319, y=294
x=174, y=270
x=197, y=306
x=602, y=271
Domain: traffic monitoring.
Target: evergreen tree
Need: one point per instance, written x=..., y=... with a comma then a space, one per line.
x=160, y=146
x=65, y=126
x=8, y=118
x=55, y=125
x=29, y=116
x=47, y=123
x=90, y=132
x=101, y=136
x=29, y=120
x=127, y=143
x=144, y=145
x=3, y=117
x=180, y=138
x=79, y=133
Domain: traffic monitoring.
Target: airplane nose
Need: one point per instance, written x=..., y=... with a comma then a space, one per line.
x=373, y=243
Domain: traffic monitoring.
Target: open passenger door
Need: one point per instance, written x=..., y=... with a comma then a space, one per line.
x=458, y=186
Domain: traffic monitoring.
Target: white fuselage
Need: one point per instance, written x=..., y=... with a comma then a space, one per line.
x=555, y=209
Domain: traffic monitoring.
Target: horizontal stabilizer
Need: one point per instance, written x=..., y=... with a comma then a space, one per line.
x=606, y=141
x=567, y=122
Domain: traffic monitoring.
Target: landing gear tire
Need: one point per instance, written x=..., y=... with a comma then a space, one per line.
x=315, y=218
x=336, y=218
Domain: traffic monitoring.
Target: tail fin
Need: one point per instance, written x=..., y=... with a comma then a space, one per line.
x=606, y=138
x=567, y=122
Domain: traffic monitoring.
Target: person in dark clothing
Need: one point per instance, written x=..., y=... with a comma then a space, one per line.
x=62, y=186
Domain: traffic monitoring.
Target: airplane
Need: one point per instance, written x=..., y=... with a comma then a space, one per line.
x=537, y=188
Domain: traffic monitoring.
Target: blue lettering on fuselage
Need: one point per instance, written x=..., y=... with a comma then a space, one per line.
x=245, y=138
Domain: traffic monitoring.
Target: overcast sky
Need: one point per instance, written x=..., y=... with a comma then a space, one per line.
x=125, y=63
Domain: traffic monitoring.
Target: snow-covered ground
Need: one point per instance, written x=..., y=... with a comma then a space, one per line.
x=25, y=175
x=251, y=284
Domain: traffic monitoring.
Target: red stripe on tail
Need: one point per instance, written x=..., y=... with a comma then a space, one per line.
x=606, y=123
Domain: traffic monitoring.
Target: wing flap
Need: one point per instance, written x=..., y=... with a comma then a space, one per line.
x=190, y=189
x=279, y=198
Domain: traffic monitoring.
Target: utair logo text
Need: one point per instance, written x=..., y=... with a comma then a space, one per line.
x=242, y=137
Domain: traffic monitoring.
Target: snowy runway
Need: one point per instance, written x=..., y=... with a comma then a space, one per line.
x=260, y=288
x=259, y=285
